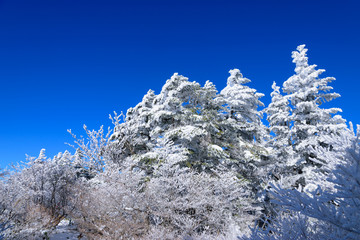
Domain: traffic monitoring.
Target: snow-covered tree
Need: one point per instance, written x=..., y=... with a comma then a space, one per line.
x=307, y=92
x=193, y=117
x=310, y=123
x=278, y=116
x=241, y=104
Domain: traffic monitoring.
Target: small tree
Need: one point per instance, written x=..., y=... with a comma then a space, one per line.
x=278, y=116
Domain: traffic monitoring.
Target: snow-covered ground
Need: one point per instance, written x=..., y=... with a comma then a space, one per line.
x=65, y=231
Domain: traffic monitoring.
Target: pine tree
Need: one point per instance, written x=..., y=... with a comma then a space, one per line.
x=310, y=123
x=183, y=112
x=214, y=129
x=278, y=116
x=241, y=104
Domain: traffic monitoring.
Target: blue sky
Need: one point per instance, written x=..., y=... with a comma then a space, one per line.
x=67, y=63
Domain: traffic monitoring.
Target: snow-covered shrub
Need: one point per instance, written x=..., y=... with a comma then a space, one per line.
x=92, y=152
x=111, y=206
x=176, y=199
x=191, y=203
x=37, y=194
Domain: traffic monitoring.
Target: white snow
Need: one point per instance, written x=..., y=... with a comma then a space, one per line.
x=65, y=231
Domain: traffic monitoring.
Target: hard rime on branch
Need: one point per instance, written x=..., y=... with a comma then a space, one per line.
x=193, y=162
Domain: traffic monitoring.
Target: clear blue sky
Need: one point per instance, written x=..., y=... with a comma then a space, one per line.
x=64, y=63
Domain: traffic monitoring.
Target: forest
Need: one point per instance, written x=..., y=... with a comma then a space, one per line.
x=194, y=162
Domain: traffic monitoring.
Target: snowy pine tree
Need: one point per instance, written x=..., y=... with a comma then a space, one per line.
x=278, y=116
x=193, y=117
x=310, y=123
x=241, y=104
